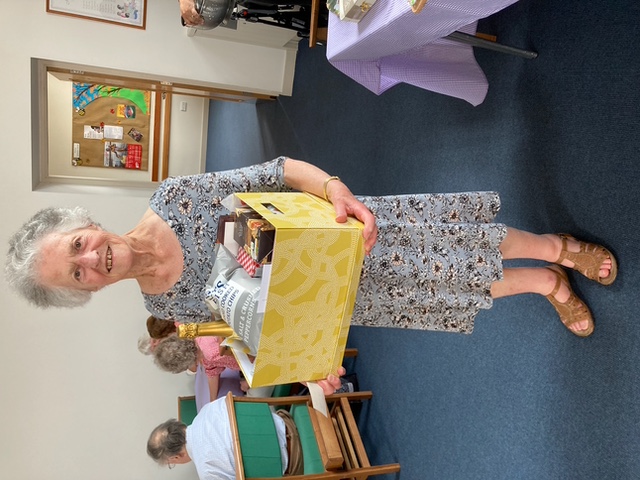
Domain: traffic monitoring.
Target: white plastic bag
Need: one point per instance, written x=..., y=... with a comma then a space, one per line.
x=232, y=294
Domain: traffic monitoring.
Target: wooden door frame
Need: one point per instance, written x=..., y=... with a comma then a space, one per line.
x=164, y=88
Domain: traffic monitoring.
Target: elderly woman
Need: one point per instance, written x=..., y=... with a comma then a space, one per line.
x=177, y=355
x=438, y=258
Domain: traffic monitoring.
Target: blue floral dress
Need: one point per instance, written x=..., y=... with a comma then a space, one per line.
x=431, y=269
x=434, y=261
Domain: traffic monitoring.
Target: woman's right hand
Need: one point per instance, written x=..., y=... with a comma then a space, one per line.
x=332, y=383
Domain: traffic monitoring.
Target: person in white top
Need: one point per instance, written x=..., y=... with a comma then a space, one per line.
x=208, y=443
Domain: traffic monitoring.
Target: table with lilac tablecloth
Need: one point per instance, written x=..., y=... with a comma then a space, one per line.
x=392, y=45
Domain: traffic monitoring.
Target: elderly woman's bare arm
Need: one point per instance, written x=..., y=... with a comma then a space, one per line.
x=214, y=386
x=308, y=178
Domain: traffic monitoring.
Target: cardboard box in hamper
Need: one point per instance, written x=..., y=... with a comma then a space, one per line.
x=315, y=270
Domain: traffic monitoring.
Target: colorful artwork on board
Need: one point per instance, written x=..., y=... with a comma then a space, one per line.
x=85, y=93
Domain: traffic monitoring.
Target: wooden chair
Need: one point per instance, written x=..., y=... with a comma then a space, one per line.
x=189, y=406
x=331, y=446
x=187, y=410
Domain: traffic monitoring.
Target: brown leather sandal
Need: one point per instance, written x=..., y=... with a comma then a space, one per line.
x=573, y=310
x=588, y=259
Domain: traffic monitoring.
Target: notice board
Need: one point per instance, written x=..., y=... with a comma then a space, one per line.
x=111, y=127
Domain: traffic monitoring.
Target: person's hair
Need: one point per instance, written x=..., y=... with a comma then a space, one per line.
x=159, y=328
x=24, y=251
x=167, y=440
x=144, y=345
x=174, y=354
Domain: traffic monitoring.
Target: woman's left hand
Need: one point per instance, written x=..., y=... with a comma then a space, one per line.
x=346, y=204
x=305, y=177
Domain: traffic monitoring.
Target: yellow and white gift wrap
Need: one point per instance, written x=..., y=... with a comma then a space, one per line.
x=315, y=270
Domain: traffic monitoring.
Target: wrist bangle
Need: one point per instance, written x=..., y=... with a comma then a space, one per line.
x=326, y=182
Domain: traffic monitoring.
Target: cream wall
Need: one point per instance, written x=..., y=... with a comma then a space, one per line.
x=77, y=399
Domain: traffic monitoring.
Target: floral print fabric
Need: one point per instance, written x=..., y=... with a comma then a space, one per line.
x=434, y=261
x=191, y=206
x=431, y=269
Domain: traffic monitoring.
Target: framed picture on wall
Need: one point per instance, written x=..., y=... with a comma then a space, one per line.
x=130, y=13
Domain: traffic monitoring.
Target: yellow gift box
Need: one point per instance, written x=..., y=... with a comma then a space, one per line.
x=315, y=270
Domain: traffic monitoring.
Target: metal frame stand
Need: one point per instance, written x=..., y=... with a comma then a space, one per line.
x=479, y=42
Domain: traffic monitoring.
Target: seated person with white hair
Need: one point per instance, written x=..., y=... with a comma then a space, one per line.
x=176, y=355
x=208, y=443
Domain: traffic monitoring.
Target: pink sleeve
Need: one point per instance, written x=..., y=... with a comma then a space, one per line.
x=209, y=346
x=214, y=363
